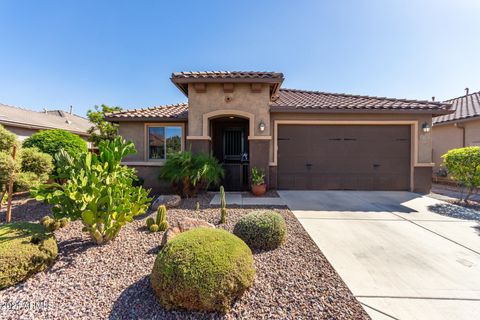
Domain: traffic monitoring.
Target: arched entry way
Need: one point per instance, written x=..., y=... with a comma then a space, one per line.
x=230, y=146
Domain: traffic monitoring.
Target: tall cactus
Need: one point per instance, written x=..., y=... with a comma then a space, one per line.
x=162, y=218
x=223, y=206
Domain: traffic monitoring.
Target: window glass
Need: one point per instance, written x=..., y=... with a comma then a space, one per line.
x=163, y=141
x=174, y=139
x=156, y=142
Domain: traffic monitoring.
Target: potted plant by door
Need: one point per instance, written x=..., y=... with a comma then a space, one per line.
x=259, y=187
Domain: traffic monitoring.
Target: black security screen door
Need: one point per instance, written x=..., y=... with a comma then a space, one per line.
x=230, y=147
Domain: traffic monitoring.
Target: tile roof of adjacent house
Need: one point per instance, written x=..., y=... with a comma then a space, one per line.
x=465, y=107
x=304, y=101
x=52, y=119
x=159, y=113
x=228, y=75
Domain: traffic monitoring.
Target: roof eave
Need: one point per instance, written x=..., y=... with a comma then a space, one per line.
x=286, y=109
x=144, y=119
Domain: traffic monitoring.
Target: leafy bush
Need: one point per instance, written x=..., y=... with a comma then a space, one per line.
x=262, y=230
x=189, y=173
x=26, y=248
x=463, y=164
x=24, y=181
x=52, y=141
x=7, y=140
x=101, y=129
x=8, y=166
x=203, y=269
x=98, y=190
x=33, y=160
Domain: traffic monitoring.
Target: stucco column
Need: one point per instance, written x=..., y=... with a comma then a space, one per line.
x=259, y=156
x=199, y=146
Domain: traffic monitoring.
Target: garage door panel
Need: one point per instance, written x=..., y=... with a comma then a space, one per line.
x=344, y=157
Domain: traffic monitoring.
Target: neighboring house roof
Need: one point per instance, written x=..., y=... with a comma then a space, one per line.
x=175, y=112
x=465, y=107
x=53, y=119
x=290, y=100
x=182, y=79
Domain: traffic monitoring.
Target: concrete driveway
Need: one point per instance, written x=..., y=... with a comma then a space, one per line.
x=399, y=257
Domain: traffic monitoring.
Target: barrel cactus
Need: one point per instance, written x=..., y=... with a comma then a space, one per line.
x=203, y=269
x=262, y=230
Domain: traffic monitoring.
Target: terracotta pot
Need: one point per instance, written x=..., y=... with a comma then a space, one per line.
x=259, y=189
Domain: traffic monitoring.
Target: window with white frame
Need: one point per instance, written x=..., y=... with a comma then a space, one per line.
x=163, y=140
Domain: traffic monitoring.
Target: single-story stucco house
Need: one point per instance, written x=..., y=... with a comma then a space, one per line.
x=459, y=129
x=25, y=122
x=302, y=139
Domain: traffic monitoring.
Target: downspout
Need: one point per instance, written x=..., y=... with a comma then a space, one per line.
x=460, y=126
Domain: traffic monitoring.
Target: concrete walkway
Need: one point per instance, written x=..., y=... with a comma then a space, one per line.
x=398, y=257
x=237, y=198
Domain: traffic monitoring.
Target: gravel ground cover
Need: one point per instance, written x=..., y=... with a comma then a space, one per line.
x=87, y=281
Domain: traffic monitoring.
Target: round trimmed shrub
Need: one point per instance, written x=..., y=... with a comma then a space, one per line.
x=25, y=249
x=33, y=160
x=52, y=141
x=204, y=269
x=262, y=230
x=24, y=181
x=7, y=140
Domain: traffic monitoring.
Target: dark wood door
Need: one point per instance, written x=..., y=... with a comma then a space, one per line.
x=339, y=157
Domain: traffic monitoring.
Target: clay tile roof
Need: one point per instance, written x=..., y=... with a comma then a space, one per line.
x=465, y=107
x=173, y=112
x=301, y=100
x=205, y=75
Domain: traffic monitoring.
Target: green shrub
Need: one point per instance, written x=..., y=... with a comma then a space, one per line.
x=24, y=181
x=7, y=140
x=203, y=269
x=33, y=160
x=262, y=230
x=463, y=164
x=52, y=141
x=189, y=173
x=8, y=166
x=97, y=190
x=25, y=249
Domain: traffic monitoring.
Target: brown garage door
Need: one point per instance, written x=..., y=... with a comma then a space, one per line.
x=357, y=157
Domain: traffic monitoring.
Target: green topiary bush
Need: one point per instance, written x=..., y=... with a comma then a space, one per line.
x=262, y=230
x=24, y=181
x=8, y=166
x=25, y=249
x=33, y=160
x=52, y=141
x=203, y=269
x=7, y=140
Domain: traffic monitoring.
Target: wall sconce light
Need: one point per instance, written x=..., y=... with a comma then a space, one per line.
x=261, y=126
x=425, y=127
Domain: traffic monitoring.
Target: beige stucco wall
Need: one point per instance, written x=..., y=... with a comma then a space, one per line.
x=424, y=140
x=135, y=132
x=448, y=136
x=241, y=99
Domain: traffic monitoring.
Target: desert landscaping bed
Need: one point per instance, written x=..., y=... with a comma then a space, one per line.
x=294, y=281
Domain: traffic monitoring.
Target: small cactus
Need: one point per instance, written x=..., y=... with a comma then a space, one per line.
x=153, y=228
x=197, y=206
x=223, y=206
x=53, y=225
x=162, y=218
x=150, y=221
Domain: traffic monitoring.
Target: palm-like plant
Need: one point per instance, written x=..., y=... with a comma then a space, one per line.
x=190, y=173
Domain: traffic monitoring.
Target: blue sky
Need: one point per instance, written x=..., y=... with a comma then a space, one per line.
x=59, y=53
